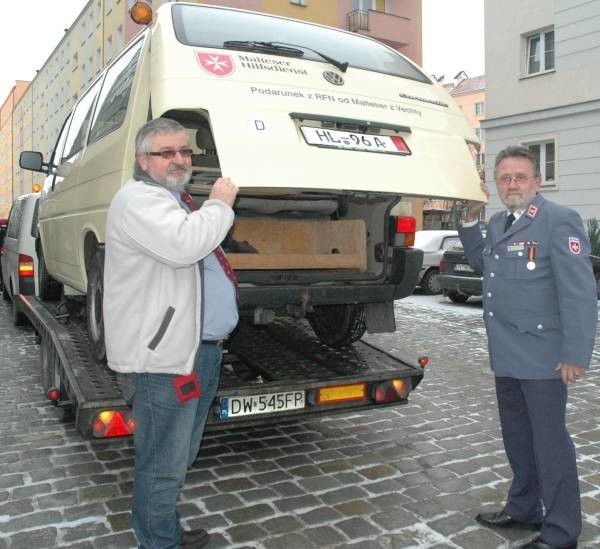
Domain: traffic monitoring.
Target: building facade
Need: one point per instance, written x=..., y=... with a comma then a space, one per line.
x=543, y=91
x=33, y=116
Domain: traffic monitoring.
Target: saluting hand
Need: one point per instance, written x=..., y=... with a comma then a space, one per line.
x=474, y=207
x=225, y=190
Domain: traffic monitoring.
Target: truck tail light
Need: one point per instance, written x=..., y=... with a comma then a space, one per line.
x=405, y=228
x=391, y=390
x=25, y=266
x=113, y=423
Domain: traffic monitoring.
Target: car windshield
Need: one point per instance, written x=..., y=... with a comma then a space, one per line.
x=202, y=26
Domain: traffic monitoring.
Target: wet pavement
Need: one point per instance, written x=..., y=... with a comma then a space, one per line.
x=402, y=476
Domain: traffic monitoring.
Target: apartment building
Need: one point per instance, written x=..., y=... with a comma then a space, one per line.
x=35, y=115
x=543, y=91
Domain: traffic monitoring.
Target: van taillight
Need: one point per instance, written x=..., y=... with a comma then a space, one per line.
x=405, y=231
x=25, y=266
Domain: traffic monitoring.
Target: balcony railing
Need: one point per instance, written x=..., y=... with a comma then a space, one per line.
x=358, y=20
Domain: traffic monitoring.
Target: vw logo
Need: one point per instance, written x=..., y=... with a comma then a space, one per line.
x=333, y=78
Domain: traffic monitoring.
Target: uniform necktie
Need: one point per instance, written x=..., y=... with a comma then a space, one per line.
x=187, y=199
x=510, y=219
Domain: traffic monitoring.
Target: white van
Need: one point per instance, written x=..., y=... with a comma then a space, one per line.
x=19, y=258
x=323, y=130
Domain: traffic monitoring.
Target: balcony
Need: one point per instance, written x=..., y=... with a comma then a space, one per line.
x=394, y=30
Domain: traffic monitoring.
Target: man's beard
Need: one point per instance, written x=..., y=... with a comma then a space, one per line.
x=517, y=201
x=177, y=182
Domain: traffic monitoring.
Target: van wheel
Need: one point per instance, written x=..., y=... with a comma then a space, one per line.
x=95, y=291
x=48, y=367
x=338, y=325
x=457, y=298
x=430, y=283
x=48, y=288
x=18, y=318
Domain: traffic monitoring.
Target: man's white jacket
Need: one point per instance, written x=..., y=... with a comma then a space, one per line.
x=152, y=281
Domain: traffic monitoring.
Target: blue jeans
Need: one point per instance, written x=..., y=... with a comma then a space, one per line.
x=167, y=439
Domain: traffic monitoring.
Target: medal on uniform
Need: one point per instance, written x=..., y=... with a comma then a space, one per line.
x=531, y=256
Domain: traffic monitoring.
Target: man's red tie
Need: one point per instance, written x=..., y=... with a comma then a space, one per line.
x=187, y=199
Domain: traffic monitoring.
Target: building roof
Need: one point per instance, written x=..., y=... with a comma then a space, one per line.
x=467, y=85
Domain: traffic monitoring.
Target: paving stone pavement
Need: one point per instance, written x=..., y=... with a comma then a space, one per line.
x=398, y=477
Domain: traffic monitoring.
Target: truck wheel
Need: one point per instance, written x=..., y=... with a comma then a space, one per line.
x=430, y=283
x=457, y=298
x=48, y=367
x=18, y=318
x=338, y=325
x=48, y=288
x=95, y=291
x=51, y=379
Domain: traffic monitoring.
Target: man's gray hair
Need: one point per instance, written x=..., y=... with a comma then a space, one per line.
x=517, y=151
x=150, y=129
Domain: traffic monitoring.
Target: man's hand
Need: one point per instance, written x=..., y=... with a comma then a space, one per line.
x=224, y=190
x=570, y=373
x=473, y=207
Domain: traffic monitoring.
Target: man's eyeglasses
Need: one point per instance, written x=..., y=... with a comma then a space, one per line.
x=518, y=178
x=169, y=154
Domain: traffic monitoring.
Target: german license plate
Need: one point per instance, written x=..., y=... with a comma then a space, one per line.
x=464, y=268
x=236, y=406
x=336, y=139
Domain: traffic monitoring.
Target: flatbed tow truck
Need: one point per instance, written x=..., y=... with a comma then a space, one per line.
x=270, y=373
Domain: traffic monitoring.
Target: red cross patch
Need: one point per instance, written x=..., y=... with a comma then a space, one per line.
x=574, y=245
x=531, y=211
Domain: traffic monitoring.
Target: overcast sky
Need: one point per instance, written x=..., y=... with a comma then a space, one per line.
x=31, y=29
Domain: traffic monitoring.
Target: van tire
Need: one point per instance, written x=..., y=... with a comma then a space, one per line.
x=18, y=318
x=95, y=318
x=48, y=367
x=48, y=288
x=338, y=325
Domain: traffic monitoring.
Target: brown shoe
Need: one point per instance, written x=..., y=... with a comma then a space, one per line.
x=194, y=538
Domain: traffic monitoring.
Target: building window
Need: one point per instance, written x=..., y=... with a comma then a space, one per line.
x=480, y=159
x=545, y=154
x=540, y=52
x=363, y=5
x=480, y=133
x=479, y=108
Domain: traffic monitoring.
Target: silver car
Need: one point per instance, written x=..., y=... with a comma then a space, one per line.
x=433, y=243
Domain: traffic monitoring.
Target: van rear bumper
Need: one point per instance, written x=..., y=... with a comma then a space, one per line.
x=406, y=263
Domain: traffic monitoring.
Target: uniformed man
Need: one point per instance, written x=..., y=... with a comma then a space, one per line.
x=540, y=312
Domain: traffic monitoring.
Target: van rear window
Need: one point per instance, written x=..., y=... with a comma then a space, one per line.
x=202, y=26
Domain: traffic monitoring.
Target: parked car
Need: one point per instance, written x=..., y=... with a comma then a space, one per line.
x=458, y=280
x=433, y=243
x=19, y=258
x=3, y=226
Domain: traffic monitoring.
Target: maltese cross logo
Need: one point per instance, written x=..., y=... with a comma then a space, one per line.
x=215, y=63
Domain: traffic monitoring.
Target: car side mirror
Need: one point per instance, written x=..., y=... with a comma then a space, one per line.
x=33, y=161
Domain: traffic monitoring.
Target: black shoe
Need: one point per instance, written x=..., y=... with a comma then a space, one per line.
x=194, y=538
x=537, y=543
x=500, y=519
